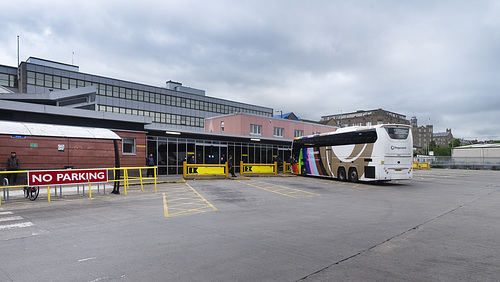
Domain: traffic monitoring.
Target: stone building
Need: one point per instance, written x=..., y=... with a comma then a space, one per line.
x=422, y=135
x=443, y=138
x=364, y=118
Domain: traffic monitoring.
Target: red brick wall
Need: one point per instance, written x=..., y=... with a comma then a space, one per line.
x=79, y=153
x=139, y=159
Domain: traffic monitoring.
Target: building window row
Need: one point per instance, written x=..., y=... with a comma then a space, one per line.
x=156, y=116
x=8, y=80
x=63, y=83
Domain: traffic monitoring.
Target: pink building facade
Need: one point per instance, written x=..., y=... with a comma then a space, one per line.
x=263, y=127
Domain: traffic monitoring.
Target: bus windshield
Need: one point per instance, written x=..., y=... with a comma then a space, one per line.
x=397, y=133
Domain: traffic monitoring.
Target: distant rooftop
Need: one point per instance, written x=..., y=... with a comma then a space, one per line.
x=52, y=64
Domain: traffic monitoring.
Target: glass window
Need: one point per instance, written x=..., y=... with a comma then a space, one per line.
x=109, y=90
x=48, y=80
x=4, y=79
x=255, y=129
x=162, y=100
x=134, y=94
x=298, y=133
x=31, y=77
x=140, y=95
x=278, y=132
x=128, y=93
x=101, y=90
x=57, y=82
x=146, y=96
x=122, y=92
x=39, y=79
x=81, y=83
x=72, y=83
x=116, y=91
x=168, y=100
x=158, y=98
x=222, y=126
x=128, y=146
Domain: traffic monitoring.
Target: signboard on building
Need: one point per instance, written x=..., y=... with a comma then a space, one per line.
x=62, y=177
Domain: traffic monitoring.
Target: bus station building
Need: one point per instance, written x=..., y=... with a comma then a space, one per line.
x=171, y=122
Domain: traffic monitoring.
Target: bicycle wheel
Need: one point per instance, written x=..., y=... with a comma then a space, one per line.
x=33, y=192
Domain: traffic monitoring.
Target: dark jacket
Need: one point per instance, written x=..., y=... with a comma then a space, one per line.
x=150, y=161
x=13, y=163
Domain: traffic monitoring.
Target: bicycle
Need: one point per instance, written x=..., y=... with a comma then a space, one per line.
x=31, y=192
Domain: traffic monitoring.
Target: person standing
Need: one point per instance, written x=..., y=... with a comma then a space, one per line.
x=150, y=161
x=230, y=165
x=13, y=164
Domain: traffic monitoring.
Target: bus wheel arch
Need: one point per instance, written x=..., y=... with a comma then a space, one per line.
x=341, y=174
x=353, y=174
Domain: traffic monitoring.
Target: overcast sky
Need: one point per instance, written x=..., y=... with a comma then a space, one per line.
x=436, y=60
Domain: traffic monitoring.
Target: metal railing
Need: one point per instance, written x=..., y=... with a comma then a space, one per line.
x=128, y=176
x=492, y=163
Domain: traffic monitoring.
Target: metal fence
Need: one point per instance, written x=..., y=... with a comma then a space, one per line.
x=466, y=162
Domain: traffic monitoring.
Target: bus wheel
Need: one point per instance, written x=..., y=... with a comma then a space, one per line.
x=353, y=175
x=341, y=174
x=304, y=171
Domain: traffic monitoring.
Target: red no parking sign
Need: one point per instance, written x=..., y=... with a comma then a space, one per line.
x=61, y=177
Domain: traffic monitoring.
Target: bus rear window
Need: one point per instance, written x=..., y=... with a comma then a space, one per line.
x=397, y=133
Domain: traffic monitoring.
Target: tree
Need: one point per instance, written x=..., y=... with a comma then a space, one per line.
x=455, y=143
x=442, y=151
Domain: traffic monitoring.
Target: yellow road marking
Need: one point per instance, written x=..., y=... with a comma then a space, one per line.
x=203, y=198
x=165, y=208
x=182, y=201
x=281, y=190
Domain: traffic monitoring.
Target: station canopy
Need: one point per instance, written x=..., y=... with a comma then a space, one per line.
x=50, y=130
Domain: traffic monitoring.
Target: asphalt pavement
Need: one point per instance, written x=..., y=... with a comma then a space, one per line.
x=441, y=226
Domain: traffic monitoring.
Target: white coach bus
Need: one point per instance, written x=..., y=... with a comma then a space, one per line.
x=367, y=153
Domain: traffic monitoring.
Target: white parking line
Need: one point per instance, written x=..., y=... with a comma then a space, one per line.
x=10, y=218
x=17, y=225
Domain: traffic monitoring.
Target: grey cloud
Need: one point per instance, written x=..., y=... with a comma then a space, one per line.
x=424, y=58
